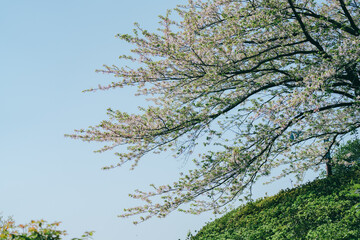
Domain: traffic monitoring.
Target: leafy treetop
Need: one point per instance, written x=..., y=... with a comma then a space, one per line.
x=35, y=230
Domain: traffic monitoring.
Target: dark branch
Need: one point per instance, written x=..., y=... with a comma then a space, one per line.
x=348, y=16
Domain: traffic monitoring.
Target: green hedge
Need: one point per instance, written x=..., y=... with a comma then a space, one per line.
x=323, y=209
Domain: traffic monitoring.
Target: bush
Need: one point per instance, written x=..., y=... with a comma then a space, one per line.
x=35, y=230
x=347, y=156
x=326, y=208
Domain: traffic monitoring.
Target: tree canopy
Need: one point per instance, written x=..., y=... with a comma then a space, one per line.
x=347, y=156
x=259, y=83
x=35, y=230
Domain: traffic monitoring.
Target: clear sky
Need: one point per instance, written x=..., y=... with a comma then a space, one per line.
x=49, y=53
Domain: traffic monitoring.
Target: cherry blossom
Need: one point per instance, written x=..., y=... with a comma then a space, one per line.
x=239, y=77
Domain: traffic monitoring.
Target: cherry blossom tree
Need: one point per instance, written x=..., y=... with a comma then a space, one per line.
x=258, y=84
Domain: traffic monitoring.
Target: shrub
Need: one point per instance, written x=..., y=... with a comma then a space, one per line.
x=35, y=230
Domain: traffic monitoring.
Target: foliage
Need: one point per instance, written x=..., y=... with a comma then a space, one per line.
x=240, y=78
x=348, y=154
x=37, y=230
x=324, y=209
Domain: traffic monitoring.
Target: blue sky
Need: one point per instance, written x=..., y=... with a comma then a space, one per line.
x=49, y=53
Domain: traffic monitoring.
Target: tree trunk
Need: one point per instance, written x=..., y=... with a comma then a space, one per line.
x=328, y=169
